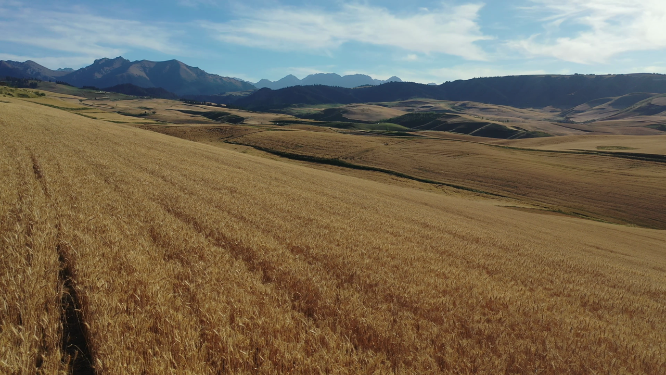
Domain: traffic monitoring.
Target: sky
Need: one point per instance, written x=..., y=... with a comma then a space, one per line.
x=419, y=40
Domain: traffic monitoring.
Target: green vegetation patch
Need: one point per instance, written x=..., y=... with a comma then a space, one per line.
x=387, y=126
x=496, y=131
x=535, y=134
x=415, y=120
x=219, y=116
x=382, y=126
x=598, y=102
x=143, y=114
x=398, y=134
x=630, y=99
x=661, y=127
x=471, y=127
x=328, y=114
x=20, y=93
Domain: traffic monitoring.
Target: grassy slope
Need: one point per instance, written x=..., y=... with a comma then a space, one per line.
x=190, y=258
x=655, y=144
x=607, y=188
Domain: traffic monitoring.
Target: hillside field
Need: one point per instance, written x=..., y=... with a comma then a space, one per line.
x=595, y=183
x=125, y=251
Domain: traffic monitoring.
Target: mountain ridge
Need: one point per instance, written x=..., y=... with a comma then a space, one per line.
x=172, y=75
x=326, y=79
x=536, y=91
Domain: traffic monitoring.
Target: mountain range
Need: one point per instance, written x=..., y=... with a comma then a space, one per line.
x=172, y=75
x=536, y=91
x=326, y=79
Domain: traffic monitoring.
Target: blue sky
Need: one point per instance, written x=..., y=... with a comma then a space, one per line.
x=422, y=41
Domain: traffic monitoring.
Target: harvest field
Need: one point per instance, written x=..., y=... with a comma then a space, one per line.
x=125, y=251
x=654, y=144
x=594, y=185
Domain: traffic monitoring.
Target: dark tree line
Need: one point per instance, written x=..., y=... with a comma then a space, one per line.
x=22, y=83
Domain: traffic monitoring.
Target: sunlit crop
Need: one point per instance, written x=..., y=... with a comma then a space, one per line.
x=170, y=256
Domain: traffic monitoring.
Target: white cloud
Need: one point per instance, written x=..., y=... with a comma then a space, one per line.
x=83, y=34
x=611, y=27
x=411, y=57
x=451, y=30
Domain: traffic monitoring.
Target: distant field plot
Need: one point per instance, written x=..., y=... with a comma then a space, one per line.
x=621, y=190
x=654, y=144
x=139, y=253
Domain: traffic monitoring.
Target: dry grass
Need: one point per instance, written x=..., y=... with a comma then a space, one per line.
x=168, y=111
x=544, y=119
x=602, y=187
x=368, y=112
x=188, y=258
x=655, y=144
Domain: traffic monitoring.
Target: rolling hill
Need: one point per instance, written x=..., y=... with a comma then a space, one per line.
x=134, y=90
x=540, y=91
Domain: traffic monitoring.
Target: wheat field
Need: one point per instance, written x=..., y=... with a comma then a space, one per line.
x=602, y=187
x=130, y=252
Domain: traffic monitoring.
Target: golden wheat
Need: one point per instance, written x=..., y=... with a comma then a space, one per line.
x=186, y=258
x=602, y=187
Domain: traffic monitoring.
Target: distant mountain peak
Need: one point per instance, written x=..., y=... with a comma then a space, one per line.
x=324, y=75
x=105, y=59
x=327, y=79
x=172, y=75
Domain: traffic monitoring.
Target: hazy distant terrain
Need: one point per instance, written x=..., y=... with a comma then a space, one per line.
x=541, y=91
x=327, y=79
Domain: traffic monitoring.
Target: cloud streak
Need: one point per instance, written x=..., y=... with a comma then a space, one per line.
x=85, y=35
x=450, y=30
x=610, y=28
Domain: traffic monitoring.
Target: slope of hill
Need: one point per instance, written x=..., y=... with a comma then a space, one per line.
x=142, y=253
x=134, y=90
x=326, y=79
x=267, y=99
x=518, y=91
